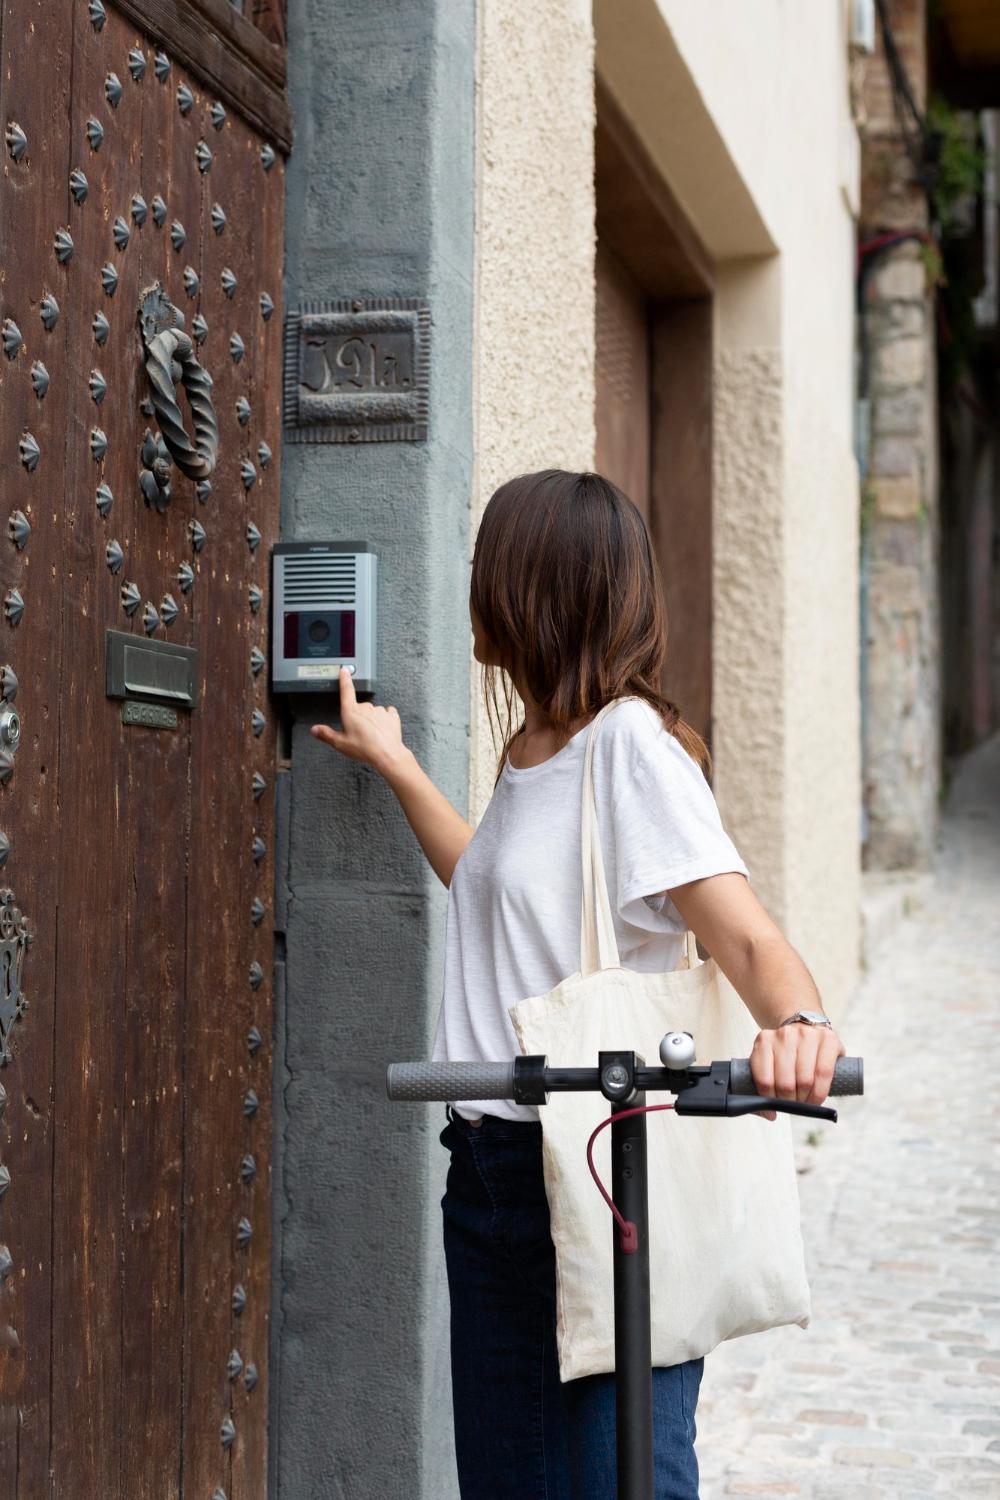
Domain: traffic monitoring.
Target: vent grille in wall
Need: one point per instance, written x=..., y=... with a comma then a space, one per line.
x=319, y=579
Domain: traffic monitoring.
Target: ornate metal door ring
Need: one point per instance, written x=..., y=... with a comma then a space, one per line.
x=170, y=361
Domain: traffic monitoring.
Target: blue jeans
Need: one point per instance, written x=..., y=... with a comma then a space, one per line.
x=520, y=1432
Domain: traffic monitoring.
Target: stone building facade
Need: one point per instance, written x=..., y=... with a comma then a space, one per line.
x=463, y=154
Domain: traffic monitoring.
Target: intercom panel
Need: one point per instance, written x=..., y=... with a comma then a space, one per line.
x=323, y=615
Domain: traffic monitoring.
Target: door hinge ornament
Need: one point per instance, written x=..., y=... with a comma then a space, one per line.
x=16, y=937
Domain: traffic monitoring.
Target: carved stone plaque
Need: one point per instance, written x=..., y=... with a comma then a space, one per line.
x=356, y=371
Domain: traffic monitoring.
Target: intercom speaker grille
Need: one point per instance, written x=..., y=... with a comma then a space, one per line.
x=318, y=580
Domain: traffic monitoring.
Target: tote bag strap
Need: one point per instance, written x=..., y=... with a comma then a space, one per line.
x=598, y=944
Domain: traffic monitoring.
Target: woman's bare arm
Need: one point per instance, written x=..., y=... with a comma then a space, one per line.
x=374, y=735
x=787, y=1062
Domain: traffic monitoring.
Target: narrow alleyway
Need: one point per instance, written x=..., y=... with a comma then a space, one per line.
x=894, y=1389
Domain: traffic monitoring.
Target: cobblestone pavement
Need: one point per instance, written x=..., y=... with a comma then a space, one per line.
x=894, y=1388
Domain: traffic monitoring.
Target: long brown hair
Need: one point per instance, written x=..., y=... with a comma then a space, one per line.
x=566, y=587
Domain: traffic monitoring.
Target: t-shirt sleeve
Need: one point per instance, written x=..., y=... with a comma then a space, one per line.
x=666, y=823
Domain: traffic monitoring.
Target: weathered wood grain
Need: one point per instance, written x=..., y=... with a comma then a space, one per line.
x=34, y=44
x=260, y=259
x=126, y=1111
x=228, y=55
x=92, y=945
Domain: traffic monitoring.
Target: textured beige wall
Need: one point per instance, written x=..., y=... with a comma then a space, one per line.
x=760, y=151
x=534, y=354
x=822, y=748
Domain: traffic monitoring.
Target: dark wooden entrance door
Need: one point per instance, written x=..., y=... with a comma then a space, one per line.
x=653, y=347
x=143, y=145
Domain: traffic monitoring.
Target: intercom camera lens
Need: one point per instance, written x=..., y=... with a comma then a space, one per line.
x=319, y=630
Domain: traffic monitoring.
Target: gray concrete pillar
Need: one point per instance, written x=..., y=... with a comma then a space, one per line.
x=380, y=203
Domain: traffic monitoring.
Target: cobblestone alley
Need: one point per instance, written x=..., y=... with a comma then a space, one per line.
x=894, y=1389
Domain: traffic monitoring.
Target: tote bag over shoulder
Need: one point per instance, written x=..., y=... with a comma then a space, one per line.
x=726, y=1253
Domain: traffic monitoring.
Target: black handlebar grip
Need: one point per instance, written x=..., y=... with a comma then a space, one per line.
x=450, y=1080
x=848, y=1076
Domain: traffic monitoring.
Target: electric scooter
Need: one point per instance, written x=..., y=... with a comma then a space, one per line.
x=713, y=1089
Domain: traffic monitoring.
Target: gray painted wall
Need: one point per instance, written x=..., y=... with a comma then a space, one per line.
x=379, y=202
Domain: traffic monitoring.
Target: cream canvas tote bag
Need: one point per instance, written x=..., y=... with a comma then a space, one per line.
x=726, y=1253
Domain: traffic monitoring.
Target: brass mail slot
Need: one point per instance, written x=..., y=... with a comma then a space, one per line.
x=151, y=669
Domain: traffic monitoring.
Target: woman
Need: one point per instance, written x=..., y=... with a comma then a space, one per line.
x=567, y=609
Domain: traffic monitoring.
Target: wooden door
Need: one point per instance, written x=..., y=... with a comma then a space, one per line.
x=621, y=375
x=143, y=146
x=654, y=399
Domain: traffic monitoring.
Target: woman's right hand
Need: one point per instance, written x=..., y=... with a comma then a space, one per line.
x=374, y=735
x=368, y=732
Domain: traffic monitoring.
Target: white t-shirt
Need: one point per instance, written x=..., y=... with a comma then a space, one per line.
x=513, y=926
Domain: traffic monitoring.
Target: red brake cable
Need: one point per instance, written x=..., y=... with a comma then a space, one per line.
x=628, y=1231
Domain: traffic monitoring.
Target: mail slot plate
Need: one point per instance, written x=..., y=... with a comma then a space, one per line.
x=156, y=670
x=153, y=715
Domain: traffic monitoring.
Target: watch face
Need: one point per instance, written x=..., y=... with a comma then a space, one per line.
x=815, y=1016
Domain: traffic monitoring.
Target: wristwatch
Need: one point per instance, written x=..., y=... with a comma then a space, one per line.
x=810, y=1017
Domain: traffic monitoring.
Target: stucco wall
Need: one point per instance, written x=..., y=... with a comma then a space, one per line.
x=380, y=202
x=819, y=170
x=760, y=151
x=534, y=352
x=748, y=676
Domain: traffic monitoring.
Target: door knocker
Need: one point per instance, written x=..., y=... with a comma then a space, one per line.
x=154, y=481
x=170, y=361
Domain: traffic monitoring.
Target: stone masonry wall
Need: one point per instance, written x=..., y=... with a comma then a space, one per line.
x=902, y=752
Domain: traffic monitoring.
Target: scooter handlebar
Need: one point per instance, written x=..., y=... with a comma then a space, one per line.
x=450, y=1080
x=495, y=1080
x=848, y=1076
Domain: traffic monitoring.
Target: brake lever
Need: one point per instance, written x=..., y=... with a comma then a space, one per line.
x=707, y=1092
x=746, y=1104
